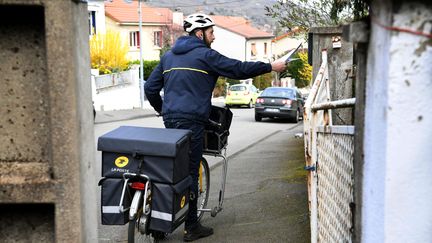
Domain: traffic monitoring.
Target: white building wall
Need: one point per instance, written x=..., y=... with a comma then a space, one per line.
x=99, y=7
x=229, y=44
x=397, y=191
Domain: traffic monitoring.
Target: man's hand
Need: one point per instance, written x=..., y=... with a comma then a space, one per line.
x=278, y=66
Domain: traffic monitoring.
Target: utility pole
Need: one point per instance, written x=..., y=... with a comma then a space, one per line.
x=141, y=84
x=141, y=80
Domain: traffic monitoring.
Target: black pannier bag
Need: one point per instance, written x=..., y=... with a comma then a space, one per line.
x=111, y=191
x=170, y=205
x=216, y=136
x=164, y=153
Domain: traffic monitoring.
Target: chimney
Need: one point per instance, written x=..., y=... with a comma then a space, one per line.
x=178, y=18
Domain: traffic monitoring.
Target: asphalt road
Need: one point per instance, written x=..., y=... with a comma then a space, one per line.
x=266, y=193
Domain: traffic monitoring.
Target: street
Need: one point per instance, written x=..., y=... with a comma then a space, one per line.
x=264, y=175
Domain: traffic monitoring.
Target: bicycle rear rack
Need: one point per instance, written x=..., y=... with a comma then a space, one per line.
x=127, y=177
x=218, y=208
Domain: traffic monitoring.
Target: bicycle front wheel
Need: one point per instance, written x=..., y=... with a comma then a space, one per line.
x=203, y=186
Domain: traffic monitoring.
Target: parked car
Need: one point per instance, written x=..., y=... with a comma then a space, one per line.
x=241, y=94
x=279, y=102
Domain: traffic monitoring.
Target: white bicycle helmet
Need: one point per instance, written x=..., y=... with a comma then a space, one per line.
x=197, y=21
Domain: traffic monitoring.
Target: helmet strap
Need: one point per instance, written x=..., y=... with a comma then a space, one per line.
x=204, y=37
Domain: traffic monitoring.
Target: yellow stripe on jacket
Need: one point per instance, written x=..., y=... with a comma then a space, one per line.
x=185, y=68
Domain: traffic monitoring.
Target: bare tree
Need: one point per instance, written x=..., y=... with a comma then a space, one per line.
x=309, y=13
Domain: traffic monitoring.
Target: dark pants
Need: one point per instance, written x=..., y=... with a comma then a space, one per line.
x=196, y=148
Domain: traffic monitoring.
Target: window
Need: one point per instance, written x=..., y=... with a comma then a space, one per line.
x=253, y=49
x=157, y=38
x=279, y=92
x=265, y=48
x=134, y=39
x=92, y=22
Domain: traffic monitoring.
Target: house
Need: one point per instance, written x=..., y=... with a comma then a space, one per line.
x=283, y=46
x=96, y=16
x=159, y=26
x=237, y=38
x=287, y=42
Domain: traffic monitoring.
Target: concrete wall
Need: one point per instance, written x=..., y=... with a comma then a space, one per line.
x=340, y=64
x=47, y=193
x=398, y=126
x=119, y=97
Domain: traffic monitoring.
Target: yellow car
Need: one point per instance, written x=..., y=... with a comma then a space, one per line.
x=241, y=94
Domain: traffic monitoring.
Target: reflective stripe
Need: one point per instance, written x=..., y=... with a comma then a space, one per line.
x=182, y=211
x=161, y=215
x=110, y=209
x=184, y=68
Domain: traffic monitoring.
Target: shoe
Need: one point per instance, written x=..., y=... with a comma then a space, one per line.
x=198, y=232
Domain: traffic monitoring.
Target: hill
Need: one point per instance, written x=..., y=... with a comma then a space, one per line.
x=252, y=10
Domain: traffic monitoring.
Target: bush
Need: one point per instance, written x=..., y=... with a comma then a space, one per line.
x=263, y=81
x=148, y=67
x=108, y=53
x=221, y=86
x=300, y=70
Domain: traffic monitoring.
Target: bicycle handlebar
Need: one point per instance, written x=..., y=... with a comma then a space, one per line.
x=216, y=124
x=211, y=122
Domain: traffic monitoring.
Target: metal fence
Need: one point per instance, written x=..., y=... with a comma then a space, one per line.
x=109, y=80
x=329, y=156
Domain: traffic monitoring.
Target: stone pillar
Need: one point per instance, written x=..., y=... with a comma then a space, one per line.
x=46, y=123
x=340, y=64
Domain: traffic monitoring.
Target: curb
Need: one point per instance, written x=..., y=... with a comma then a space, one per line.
x=125, y=118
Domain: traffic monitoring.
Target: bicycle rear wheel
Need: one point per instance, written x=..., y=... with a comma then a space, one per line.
x=135, y=236
x=203, y=186
x=140, y=211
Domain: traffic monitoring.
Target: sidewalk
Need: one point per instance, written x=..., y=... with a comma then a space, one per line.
x=266, y=194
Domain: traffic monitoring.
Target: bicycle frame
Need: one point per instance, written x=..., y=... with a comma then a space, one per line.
x=218, y=208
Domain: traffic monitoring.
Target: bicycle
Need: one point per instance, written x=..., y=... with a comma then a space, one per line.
x=140, y=185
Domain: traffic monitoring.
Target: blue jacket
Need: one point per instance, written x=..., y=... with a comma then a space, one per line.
x=188, y=74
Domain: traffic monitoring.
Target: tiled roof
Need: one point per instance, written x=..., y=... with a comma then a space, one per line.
x=241, y=26
x=123, y=12
x=294, y=32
